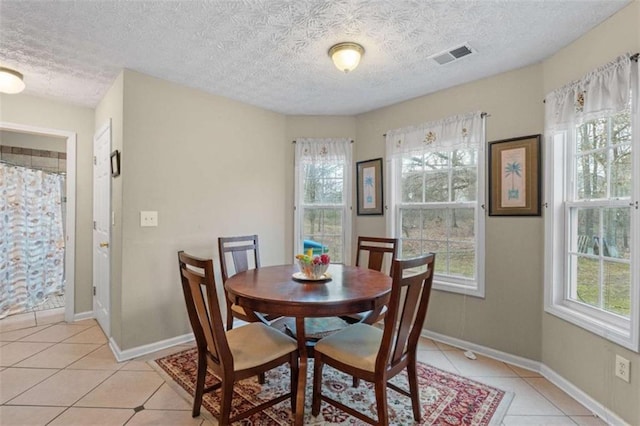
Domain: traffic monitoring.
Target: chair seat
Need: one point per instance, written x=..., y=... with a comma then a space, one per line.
x=256, y=344
x=356, y=345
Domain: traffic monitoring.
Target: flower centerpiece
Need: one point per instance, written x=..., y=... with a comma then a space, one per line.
x=313, y=267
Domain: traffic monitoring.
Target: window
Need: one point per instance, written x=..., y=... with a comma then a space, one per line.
x=436, y=187
x=323, y=197
x=593, y=186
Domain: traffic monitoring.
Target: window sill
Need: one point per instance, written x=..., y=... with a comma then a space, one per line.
x=458, y=288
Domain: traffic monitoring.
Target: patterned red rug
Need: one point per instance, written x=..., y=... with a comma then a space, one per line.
x=447, y=399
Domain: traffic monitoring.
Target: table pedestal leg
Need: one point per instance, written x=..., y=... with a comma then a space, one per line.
x=302, y=374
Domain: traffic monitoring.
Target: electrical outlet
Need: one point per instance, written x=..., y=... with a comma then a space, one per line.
x=148, y=218
x=623, y=367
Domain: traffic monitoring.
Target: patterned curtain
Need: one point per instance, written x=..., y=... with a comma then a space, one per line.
x=31, y=238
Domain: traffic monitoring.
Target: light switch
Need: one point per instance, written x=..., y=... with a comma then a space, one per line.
x=148, y=218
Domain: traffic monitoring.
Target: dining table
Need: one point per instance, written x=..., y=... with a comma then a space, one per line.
x=280, y=290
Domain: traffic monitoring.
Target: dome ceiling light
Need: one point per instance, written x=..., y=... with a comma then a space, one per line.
x=346, y=56
x=11, y=81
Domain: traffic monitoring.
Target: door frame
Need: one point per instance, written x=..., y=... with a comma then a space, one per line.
x=70, y=243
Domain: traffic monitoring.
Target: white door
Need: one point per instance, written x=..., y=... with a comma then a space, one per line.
x=102, y=226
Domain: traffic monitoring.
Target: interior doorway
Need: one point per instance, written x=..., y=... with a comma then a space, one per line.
x=38, y=146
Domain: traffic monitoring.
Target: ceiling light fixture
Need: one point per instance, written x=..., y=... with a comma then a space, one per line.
x=346, y=56
x=11, y=81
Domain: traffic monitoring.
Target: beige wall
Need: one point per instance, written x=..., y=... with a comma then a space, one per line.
x=39, y=112
x=582, y=358
x=509, y=317
x=210, y=167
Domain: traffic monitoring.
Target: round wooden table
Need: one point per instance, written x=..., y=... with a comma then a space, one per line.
x=273, y=290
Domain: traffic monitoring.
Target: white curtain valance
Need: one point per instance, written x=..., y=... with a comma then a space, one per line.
x=605, y=90
x=319, y=150
x=457, y=132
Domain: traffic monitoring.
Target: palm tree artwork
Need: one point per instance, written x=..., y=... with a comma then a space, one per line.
x=512, y=170
x=369, y=193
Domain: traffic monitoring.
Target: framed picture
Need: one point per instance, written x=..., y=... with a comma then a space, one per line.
x=369, y=187
x=115, y=163
x=515, y=176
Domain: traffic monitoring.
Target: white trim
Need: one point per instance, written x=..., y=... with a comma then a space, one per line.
x=83, y=316
x=606, y=415
x=573, y=391
x=488, y=352
x=127, y=354
x=70, y=245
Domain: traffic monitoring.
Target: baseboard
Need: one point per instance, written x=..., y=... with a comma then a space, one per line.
x=486, y=351
x=127, y=354
x=83, y=316
x=573, y=391
x=576, y=393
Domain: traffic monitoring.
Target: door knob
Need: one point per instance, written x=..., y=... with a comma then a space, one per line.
x=104, y=244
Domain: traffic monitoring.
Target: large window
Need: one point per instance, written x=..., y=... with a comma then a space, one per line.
x=593, y=186
x=323, y=197
x=435, y=191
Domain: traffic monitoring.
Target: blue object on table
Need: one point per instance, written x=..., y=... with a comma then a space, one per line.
x=317, y=247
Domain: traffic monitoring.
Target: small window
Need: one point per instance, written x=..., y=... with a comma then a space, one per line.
x=435, y=197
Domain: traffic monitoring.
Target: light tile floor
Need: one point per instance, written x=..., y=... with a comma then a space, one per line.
x=54, y=373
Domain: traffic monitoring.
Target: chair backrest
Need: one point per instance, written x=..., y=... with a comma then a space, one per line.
x=407, y=309
x=377, y=248
x=241, y=250
x=203, y=308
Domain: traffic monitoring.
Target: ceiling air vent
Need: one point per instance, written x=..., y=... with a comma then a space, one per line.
x=452, y=54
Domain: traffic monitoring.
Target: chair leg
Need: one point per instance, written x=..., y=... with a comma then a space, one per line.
x=226, y=394
x=413, y=388
x=317, y=384
x=261, y=378
x=381, y=402
x=356, y=381
x=200, y=379
x=229, y=316
x=293, y=365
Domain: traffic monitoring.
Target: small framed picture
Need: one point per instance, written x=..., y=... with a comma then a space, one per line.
x=515, y=177
x=369, y=187
x=115, y=163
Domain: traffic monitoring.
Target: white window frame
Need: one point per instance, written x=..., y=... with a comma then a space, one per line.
x=558, y=190
x=461, y=285
x=345, y=207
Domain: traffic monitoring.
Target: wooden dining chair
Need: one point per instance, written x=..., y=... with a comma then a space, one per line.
x=231, y=355
x=374, y=355
x=241, y=252
x=377, y=252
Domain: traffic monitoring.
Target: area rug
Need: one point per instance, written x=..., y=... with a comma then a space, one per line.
x=446, y=398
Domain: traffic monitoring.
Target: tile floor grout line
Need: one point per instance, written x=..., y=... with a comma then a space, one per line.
x=93, y=388
x=33, y=354
x=554, y=404
x=26, y=335
x=153, y=393
x=547, y=399
x=55, y=374
x=31, y=387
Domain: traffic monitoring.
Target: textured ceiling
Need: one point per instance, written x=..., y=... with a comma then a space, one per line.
x=273, y=54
